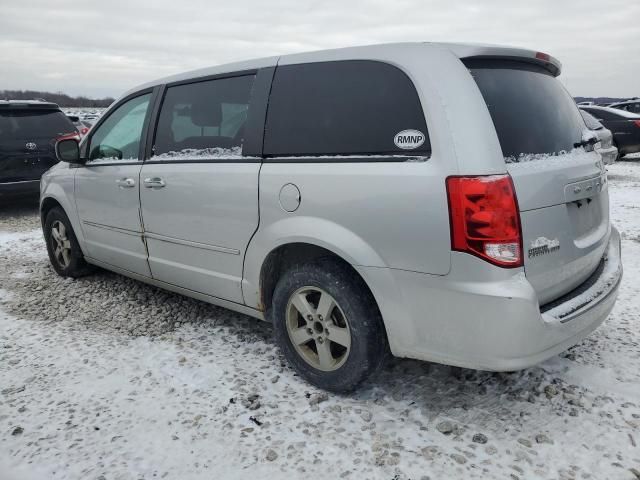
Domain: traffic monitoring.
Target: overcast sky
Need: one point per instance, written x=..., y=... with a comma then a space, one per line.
x=105, y=47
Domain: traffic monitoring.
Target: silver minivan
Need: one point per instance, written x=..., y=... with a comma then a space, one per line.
x=434, y=201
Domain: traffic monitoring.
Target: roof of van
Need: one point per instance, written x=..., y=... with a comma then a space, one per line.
x=369, y=52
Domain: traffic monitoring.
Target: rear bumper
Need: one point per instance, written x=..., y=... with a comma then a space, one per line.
x=609, y=155
x=488, y=319
x=26, y=187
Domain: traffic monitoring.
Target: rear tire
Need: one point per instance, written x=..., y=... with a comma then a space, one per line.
x=64, y=251
x=340, y=339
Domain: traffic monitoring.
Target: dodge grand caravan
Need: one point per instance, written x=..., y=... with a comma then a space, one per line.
x=435, y=201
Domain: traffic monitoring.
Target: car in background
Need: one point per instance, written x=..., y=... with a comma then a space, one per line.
x=607, y=149
x=29, y=130
x=632, y=106
x=625, y=127
x=82, y=126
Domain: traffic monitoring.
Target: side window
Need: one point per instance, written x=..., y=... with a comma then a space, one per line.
x=118, y=137
x=344, y=108
x=203, y=119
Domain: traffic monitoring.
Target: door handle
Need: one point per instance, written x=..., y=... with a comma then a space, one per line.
x=155, y=182
x=126, y=182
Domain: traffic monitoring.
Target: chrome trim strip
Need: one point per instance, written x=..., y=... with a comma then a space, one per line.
x=163, y=238
x=113, y=229
x=20, y=181
x=189, y=243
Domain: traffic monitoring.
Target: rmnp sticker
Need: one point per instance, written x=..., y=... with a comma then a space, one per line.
x=409, y=139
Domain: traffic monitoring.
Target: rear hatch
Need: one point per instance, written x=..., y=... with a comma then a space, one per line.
x=27, y=139
x=560, y=182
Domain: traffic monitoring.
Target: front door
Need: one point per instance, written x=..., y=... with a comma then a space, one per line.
x=107, y=188
x=199, y=194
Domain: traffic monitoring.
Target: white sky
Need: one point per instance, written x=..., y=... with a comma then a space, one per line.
x=105, y=47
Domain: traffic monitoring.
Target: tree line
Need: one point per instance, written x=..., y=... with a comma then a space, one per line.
x=62, y=99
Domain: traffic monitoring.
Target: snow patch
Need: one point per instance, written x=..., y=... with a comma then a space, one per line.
x=545, y=242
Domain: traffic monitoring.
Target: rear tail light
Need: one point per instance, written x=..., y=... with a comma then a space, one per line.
x=69, y=136
x=637, y=122
x=543, y=56
x=484, y=218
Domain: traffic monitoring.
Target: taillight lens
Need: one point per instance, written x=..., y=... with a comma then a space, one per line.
x=484, y=218
x=637, y=122
x=543, y=56
x=69, y=136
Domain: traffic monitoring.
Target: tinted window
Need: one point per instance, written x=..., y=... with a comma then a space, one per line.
x=204, y=118
x=531, y=110
x=590, y=121
x=25, y=125
x=341, y=108
x=118, y=137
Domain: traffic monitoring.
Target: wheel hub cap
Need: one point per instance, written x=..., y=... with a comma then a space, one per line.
x=61, y=244
x=318, y=328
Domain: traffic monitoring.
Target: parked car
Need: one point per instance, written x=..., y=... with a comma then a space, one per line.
x=414, y=198
x=606, y=149
x=632, y=106
x=82, y=126
x=28, y=131
x=624, y=125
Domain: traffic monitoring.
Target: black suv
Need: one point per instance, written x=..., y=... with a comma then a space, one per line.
x=28, y=133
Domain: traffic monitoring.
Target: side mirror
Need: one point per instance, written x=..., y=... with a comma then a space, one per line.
x=68, y=150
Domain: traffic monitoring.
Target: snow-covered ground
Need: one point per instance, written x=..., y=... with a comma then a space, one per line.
x=88, y=114
x=107, y=378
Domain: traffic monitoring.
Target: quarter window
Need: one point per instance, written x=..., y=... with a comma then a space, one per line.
x=118, y=137
x=204, y=119
x=344, y=108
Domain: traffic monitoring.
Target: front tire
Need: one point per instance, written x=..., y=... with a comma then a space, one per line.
x=328, y=326
x=64, y=251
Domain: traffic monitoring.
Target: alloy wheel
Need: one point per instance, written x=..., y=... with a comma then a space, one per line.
x=318, y=328
x=61, y=244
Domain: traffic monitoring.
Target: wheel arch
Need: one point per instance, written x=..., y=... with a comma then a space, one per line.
x=46, y=205
x=283, y=257
x=55, y=196
x=312, y=237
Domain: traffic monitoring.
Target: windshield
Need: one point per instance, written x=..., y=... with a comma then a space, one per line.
x=30, y=124
x=532, y=112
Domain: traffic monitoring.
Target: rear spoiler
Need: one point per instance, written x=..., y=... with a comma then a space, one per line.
x=541, y=59
x=16, y=105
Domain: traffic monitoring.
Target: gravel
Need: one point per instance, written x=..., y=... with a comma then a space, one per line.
x=108, y=377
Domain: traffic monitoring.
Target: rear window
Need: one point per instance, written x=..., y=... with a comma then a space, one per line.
x=344, y=108
x=531, y=111
x=590, y=121
x=29, y=124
